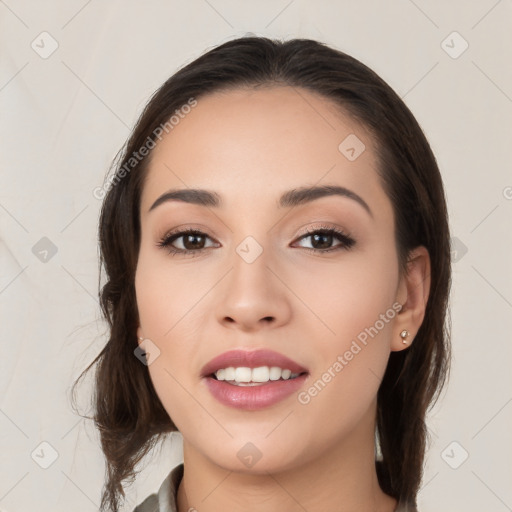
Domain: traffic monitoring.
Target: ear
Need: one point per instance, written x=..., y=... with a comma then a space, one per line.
x=412, y=294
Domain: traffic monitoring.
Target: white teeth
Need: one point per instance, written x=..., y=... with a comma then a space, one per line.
x=229, y=374
x=254, y=375
x=261, y=374
x=275, y=373
x=243, y=374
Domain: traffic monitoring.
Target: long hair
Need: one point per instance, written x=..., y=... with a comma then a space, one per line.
x=127, y=411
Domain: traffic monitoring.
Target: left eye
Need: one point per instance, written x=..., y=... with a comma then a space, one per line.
x=325, y=237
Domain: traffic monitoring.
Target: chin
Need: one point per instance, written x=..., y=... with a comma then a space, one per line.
x=254, y=458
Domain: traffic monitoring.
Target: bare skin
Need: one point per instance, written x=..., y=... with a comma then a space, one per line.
x=251, y=146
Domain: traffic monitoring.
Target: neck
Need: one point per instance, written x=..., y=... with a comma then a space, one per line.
x=343, y=478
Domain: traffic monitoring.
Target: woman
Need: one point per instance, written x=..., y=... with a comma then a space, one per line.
x=276, y=246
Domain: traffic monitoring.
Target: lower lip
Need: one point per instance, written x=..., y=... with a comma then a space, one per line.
x=253, y=397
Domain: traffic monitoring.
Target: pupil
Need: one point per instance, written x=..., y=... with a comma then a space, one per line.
x=193, y=245
x=325, y=236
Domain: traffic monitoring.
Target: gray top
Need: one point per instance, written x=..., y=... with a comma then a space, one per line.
x=165, y=499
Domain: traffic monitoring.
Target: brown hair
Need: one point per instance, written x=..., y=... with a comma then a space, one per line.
x=128, y=413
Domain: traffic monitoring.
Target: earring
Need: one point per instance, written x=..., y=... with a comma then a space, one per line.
x=404, y=335
x=141, y=339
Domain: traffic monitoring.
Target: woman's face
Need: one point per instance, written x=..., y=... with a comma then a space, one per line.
x=254, y=279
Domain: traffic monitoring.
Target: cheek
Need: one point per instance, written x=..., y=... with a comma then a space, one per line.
x=169, y=316
x=168, y=295
x=355, y=315
x=160, y=312
x=349, y=296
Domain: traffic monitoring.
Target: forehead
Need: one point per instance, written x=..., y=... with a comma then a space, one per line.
x=250, y=143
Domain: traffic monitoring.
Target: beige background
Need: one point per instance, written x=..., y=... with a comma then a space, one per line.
x=65, y=115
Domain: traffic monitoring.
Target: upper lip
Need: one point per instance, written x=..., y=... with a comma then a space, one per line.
x=250, y=359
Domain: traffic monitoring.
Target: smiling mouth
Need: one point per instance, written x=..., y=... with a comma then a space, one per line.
x=253, y=381
x=259, y=376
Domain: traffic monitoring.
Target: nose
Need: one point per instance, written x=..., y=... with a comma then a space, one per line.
x=253, y=296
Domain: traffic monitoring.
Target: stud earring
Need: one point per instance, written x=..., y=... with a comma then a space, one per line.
x=404, y=335
x=141, y=339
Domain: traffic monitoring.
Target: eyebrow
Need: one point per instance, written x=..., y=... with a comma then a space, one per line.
x=289, y=199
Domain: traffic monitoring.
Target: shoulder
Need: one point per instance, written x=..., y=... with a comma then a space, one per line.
x=150, y=504
x=165, y=499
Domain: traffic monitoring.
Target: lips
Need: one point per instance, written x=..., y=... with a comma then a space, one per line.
x=250, y=359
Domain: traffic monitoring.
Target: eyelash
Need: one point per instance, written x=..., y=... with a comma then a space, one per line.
x=346, y=241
